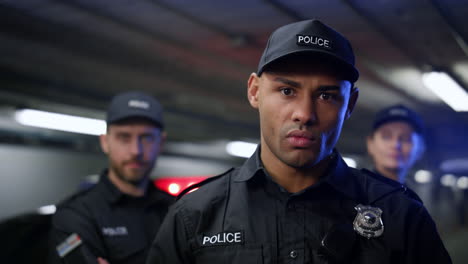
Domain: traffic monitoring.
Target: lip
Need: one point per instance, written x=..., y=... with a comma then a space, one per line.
x=300, y=139
x=134, y=165
x=396, y=156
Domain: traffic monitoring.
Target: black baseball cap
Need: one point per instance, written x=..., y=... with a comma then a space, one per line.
x=135, y=104
x=311, y=38
x=398, y=113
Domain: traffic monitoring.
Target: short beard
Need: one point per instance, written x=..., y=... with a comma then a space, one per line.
x=121, y=176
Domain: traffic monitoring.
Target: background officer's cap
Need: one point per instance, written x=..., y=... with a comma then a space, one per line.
x=398, y=113
x=135, y=104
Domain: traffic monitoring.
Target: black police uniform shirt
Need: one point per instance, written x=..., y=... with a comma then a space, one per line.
x=244, y=217
x=110, y=224
x=412, y=194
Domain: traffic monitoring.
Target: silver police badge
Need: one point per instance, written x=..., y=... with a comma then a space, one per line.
x=368, y=222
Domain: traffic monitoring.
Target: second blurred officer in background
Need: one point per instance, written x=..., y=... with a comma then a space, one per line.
x=115, y=221
x=396, y=141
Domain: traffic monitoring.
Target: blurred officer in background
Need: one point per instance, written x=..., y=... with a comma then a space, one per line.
x=116, y=220
x=295, y=200
x=396, y=141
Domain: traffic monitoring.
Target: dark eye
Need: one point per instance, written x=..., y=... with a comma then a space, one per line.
x=287, y=91
x=123, y=137
x=386, y=136
x=148, y=138
x=327, y=96
x=406, y=139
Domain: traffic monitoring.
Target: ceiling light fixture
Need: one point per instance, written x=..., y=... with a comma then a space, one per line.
x=62, y=122
x=447, y=89
x=448, y=180
x=423, y=176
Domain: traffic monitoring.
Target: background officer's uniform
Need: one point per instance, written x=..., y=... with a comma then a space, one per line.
x=110, y=224
x=244, y=217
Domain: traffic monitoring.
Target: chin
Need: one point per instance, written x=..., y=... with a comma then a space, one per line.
x=134, y=178
x=135, y=181
x=303, y=162
x=395, y=168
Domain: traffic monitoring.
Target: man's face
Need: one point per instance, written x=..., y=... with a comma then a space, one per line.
x=302, y=111
x=132, y=148
x=394, y=146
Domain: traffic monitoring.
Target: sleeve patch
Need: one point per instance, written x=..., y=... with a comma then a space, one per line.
x=70, y=243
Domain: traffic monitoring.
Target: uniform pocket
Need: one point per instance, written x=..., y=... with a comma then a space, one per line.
x=242, y=254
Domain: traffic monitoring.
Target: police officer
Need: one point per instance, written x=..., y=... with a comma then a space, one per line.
x=396, y=141
x=295, y=200
x=115, y=221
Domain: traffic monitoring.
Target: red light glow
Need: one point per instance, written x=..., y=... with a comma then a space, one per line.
x=174, y=185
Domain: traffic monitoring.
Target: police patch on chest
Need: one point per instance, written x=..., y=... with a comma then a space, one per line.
x=368, y=222
x=223, y=238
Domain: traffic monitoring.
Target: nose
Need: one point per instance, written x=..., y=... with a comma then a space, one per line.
x=305, y=112
x=397, y=143
x=136, y=148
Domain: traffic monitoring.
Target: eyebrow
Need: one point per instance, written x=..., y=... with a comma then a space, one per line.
x=326, y=88
x=295, y=84
x=287, y=82
x=122, y=133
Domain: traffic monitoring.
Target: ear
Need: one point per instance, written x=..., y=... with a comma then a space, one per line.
x=162, y=141
x=252, y=89
x=420, y=148
x=352, y=101
x=103, y=142
x=370, y=144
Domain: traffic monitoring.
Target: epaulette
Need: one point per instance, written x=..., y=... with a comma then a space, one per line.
x=407, y=191
x=199, y=184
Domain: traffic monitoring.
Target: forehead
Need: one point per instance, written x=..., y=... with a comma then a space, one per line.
x=133, y=125
x=396, y=126
x=303, y=78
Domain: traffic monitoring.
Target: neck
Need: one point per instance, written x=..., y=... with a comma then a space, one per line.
x=128, y=188
x=296, y=179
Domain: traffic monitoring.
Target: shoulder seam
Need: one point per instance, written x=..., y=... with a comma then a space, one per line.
x=197, y=185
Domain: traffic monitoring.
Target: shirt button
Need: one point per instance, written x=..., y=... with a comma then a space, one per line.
x=293, y=254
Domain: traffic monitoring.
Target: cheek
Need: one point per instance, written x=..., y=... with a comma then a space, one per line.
x=377, y=148
x=115, y=158
x=331, y=119
x=151, y=150
x=382, y=145
x=270, y=118
x=409, y=149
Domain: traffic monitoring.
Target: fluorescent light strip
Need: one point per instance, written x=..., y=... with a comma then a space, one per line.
x=241, y=148
x=350, y=162
x=62, y=122
x=47, y=209
x=447, y=89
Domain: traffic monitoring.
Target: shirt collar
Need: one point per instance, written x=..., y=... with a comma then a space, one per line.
x=250, y=168
x=113, y=195
x=339, y=176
